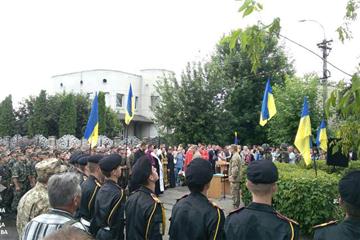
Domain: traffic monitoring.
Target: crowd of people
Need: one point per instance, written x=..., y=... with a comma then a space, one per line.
x=112, y=193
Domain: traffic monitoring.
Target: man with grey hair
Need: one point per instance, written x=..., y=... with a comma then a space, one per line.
x=64, y=197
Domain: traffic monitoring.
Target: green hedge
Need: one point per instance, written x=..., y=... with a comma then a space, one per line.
x=303, y=197
x=341, y=171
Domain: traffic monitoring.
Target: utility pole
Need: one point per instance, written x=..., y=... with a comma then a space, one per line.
x=325, y=46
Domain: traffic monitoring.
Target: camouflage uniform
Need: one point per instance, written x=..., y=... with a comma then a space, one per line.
x=36, y=201
x=32, y=204
x=19, y=171
x=6, y=194
x=235, y=174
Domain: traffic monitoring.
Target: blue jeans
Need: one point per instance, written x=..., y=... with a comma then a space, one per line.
x=177, y=170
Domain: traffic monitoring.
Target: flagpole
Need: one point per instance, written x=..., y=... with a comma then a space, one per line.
x=315, y=167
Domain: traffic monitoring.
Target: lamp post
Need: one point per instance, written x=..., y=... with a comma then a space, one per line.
x=325, y=47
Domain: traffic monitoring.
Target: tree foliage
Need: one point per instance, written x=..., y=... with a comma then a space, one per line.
x=221, y=96
x=282, y=128
x=344, y=108
x=7, y=117
x=67, y=121
x=37, y=123
x=102, y=110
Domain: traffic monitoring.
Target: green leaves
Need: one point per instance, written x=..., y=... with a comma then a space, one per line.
x=7, y=117
x=249, y=6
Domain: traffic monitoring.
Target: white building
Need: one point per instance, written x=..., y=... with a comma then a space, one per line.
x=116, y=84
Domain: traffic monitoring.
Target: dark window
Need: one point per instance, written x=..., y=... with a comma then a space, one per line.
x=119, y=100
x=136, y=102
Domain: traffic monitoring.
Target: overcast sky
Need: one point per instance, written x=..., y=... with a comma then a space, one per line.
x=42, y=38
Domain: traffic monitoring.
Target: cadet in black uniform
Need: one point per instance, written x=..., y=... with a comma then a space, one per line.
x=145, y=215
x=89, y=189
x=259, y=220
x=108, y=221
x=81, y=169
x=349, y=229
x=194, y=216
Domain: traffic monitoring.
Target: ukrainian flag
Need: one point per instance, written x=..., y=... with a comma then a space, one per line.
x=321, y=138
x=92, y=126
x=130, y=108
x=303, y=135
x=236, y=141
x=268, y=108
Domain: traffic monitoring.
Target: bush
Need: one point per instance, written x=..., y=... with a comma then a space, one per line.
x=341, y=171
x=303, y=197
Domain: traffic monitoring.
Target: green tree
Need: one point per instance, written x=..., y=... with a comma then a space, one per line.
x=344, y=109
x=55, y=103
x=37, y=123
x=102, y=110
x=289, y=98
x=22, y=115
x=112, y=123
x=7, y=117
x=67, y=121
x=241, y=88
x=82, y=110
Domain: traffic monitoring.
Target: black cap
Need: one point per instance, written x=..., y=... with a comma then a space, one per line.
x=199, y=172
x=83, y=159
x=110, y=162
x=262, y=171
x=74, y=156
x=141, y=170
x=349, y=188
x=95, y=158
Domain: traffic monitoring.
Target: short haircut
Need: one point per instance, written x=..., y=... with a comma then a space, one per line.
x=351, y=210
x=92, y=167
x=69, y=233
x=260, y=189
x=63, y=188
x=106, y=173
x=196, y=188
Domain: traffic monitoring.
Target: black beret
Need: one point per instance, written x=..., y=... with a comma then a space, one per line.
x=110, y=162
x=95, y=158
x=262, y=171
x=199, y=172
x=74, y=157
x=349, y=188
x=141, y=171
x=83, y=160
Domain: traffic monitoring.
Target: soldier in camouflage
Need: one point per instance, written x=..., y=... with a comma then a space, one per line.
x=19, y=176
x=5, y=181
x=235, y=176
x=36, y=201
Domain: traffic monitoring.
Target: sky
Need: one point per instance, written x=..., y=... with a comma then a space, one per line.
x=42, y=38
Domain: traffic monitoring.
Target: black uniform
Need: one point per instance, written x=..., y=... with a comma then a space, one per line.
x=260, y=221
x=195, y=217
x=349, y=229
x=145, y=216
x=89, y=190
x=108, y=221
x=171, y=170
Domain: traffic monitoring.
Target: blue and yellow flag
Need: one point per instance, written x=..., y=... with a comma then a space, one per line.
x=92, y=126
x=236, y=140
x=130, y=107
x=303, y=135
x=268, y=108
x=321, y=138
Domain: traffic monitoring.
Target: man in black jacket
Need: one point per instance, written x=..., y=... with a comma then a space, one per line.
x=108, y=222
x=145, y=215
x=194, y=216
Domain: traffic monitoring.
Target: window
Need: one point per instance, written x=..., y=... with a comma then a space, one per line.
x=119, y=100
x=136, y=102
x=154, y=100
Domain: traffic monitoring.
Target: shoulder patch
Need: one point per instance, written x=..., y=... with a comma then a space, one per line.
x=279, y=215
x=156, y=199
x=182, y=197
x=236, y=210
x=325, y=224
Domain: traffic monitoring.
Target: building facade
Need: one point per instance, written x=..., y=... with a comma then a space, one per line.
x=115, y=85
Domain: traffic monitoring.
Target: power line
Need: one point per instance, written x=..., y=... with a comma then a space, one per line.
x=319, y=56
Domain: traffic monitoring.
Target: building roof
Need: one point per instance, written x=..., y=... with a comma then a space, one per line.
x=137, y=118
x=96, y=70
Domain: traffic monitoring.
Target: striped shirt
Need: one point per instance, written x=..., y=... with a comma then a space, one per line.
x=47, y=223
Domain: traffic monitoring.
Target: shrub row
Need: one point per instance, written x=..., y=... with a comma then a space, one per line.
x=303, y=197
